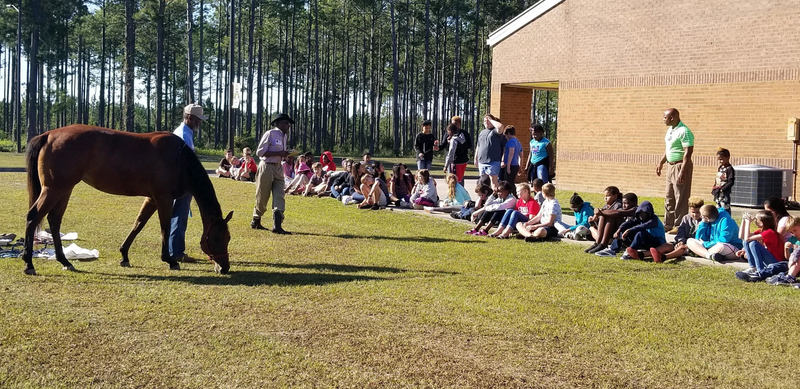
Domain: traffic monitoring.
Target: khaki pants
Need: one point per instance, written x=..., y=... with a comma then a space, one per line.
x=269, y=180
x=676, y=199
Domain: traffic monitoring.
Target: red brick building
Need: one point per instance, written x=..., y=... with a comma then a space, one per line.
x=732, y=68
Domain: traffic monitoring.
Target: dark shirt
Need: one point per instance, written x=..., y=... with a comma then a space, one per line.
x=225, y=165
x=490, y=146
x=424, y=145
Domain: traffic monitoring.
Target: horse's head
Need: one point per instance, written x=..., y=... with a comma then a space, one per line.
x=214, y=242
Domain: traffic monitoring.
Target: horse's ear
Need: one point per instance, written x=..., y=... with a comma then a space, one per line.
x=228, y=218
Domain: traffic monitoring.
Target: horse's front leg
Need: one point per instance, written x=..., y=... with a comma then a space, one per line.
x=148, y=208
x=165, y=216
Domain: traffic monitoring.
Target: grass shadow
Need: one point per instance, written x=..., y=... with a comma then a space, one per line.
x=418, y=239
x=251, y=278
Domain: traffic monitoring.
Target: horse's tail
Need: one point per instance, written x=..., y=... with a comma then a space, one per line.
x=32, y=163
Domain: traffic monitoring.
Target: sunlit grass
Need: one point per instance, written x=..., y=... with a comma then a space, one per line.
x=375, y=298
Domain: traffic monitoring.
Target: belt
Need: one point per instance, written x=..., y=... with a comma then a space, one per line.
x=675, y=163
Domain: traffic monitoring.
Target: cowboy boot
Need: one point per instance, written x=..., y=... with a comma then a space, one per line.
x=256, y=224
x=277, y=217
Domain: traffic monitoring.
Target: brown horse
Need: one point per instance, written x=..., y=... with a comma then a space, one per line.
x=157, y=165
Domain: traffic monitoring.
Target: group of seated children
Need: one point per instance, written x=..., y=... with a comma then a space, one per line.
x=620, y=225
x=240, y=169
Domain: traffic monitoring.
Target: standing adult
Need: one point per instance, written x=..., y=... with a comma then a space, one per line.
x=678, y=156
x=489, y=152
x=269, y=177
x=539, y=163
x=509, y=168
x=192, y=118
x=424, y=145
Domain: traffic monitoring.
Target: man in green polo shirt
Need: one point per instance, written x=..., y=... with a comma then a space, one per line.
x=678, y=157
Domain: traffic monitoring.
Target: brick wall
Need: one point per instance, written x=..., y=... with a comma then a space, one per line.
x=731, y=68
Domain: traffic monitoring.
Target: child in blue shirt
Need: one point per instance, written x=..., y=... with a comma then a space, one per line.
x=582, y=210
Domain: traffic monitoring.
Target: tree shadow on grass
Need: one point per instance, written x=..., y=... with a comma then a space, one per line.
x=417, y=239
x=339, y=268
x=252, y=278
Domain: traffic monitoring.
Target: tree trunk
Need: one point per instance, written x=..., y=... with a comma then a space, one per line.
x=426, y=86
x=250, y=62
x=231, y=74
x=33, y=69
x=189, y=53
x=159, y=62
x=395, y=86
x=130, y=52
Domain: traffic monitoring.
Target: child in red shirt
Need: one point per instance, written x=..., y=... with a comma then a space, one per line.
x=762, y=249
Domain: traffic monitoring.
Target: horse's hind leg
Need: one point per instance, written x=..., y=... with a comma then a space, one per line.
x=46, y=201
x=54, y=219
x=147, y=210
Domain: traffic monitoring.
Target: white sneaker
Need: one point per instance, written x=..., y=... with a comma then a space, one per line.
x=347, y=200
x=606, y=253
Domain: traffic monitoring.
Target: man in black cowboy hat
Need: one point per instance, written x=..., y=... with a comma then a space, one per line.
x=269, y=179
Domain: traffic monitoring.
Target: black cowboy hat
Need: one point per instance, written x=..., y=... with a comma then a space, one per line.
x=280, y=117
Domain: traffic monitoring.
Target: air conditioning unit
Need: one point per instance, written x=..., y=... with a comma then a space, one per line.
x=756, y=183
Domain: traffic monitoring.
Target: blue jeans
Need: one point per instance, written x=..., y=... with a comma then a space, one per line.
x=358, y=197
x=424, y=164
x=512, y=217
x=177, y=227
x=758, y=256
x=540, y=171
x=644, y=241
x=335, y=193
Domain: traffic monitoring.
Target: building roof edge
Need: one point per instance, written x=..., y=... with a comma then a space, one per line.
x=532, y=13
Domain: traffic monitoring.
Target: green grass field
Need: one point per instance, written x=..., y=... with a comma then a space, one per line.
x=375, y=298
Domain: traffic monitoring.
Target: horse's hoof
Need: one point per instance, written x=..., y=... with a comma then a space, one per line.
x=217, y=268
x=30, y=272
x=174, y=266
x=70, y=268
x=125, y=264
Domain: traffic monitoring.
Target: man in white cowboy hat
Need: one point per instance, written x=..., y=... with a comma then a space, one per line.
x=192, y=117
x=269, y=179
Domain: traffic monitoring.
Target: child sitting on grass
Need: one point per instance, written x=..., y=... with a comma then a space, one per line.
x=582, y=210
x=525, y=208
x=248, y=168
x=541, y=226
x=627, y=218
x=600, y=226
x=646, y=233
x=424, y=192
x=457, y=196
x=374, y=198
x=494, y=209
x=483, y=192
x=302, y=175
x=339, y=183
x=763, y=249
x=316, y=180
x=723, y=182
x=225, y=165
x=717, y=235
x=686, y=230
x=400, y=186
x=789, y=277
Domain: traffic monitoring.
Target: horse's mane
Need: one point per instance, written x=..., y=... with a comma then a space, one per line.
x=200, y=185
